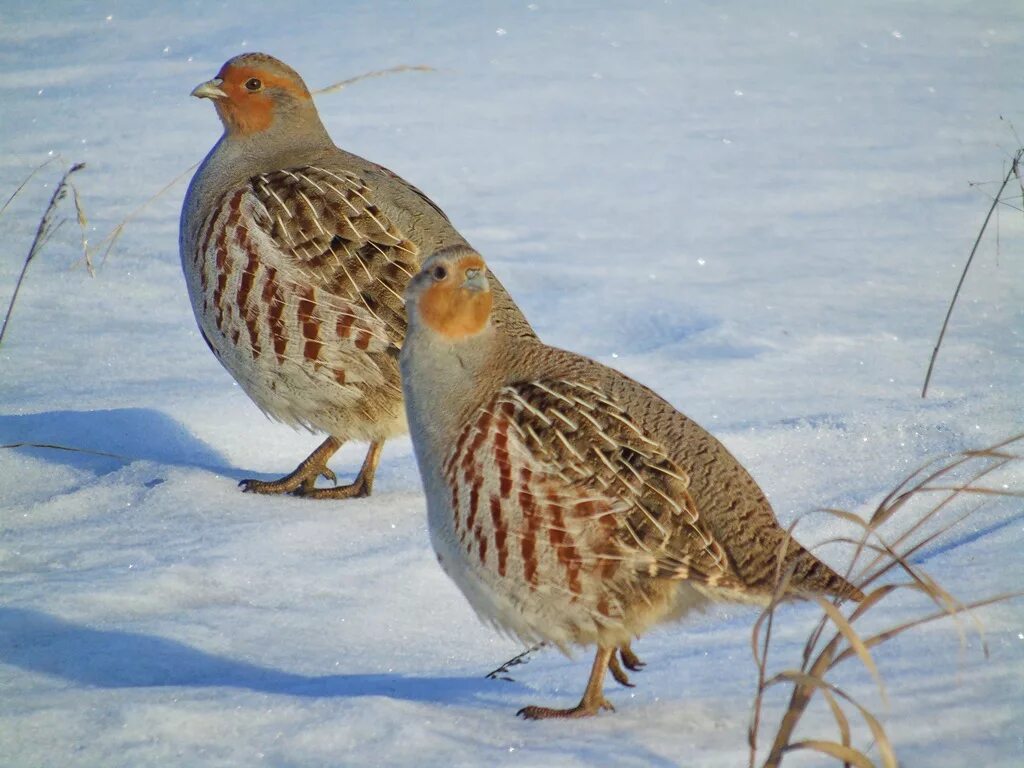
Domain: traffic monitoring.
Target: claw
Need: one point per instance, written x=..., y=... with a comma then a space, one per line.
x=630, y=660
x=620, y=677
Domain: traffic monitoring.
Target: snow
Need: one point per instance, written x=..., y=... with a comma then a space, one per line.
x=759, y=210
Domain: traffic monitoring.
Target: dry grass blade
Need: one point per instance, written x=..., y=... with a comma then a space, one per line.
x=954, y=482
x=69, y=448
x=814, y=682
x=43, y=232
x=844, y=752
x=25, y=181
x=892, y=632
x=854, y=643
x=908, y=489
x=767, y=617
x=107, y=243
x=841, y=720
x=342, y=84
x=979, y=491
x=1014, y=166
x=921, y=581
x=905, y=490
x=83, y=224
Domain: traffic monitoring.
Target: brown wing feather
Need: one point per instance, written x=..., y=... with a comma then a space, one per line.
x=326, y=223
x=598, y=451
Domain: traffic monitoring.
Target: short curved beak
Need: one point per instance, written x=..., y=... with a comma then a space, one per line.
x=210, y=90
x=476, y=280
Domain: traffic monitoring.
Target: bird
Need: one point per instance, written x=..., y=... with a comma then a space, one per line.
x=296, y=254
x=570, y=504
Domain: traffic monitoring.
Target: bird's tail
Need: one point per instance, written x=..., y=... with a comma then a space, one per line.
x=812, y=575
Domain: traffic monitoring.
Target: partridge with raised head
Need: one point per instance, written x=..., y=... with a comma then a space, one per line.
x=570, y=504
x=296, y=254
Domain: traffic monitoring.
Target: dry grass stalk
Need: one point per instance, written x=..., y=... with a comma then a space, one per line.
x=44, y=231
x=1014, y=171
x=874, y=557
x=107, y=243
x=83, y=224
x=342, y=84
x=68, y=448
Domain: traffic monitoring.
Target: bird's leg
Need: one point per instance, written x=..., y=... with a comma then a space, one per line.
x=305, y=474
x=593, y=700
x=358, y=488
x=629, y=660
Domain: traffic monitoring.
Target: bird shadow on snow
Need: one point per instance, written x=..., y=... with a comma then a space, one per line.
x=127, y=434
x=103, y=441
x=99, y=658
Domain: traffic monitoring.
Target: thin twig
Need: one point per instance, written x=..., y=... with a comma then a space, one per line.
x=43, y=232
x=1014, y=171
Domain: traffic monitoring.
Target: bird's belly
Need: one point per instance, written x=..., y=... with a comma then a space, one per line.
x=531, y=602
x=303, y=355
x=310, y=396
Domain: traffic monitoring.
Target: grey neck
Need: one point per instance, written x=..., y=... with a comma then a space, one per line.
x=281, y=146
x=444, y=380
x=234, y=160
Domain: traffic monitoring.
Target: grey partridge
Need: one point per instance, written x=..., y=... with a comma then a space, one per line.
x=296, y=254
x=570, y=504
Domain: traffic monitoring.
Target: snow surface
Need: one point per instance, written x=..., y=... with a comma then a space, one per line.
x=760, y=211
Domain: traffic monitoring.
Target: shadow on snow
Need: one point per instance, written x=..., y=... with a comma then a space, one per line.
x=37, y=642
x=131, y=434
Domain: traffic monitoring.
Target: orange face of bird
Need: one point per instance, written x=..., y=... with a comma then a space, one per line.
x=457, y=300
x=246, y=95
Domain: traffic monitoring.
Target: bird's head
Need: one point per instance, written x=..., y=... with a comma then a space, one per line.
x=254, y=91
x=450, y=295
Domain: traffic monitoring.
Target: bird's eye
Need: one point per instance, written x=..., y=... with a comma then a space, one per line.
x=253, y=84
x=439, y=273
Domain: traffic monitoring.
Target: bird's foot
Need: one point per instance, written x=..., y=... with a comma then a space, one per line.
x=357, y=489
x=302, y=481
x=584, y=709
x=593, y=700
